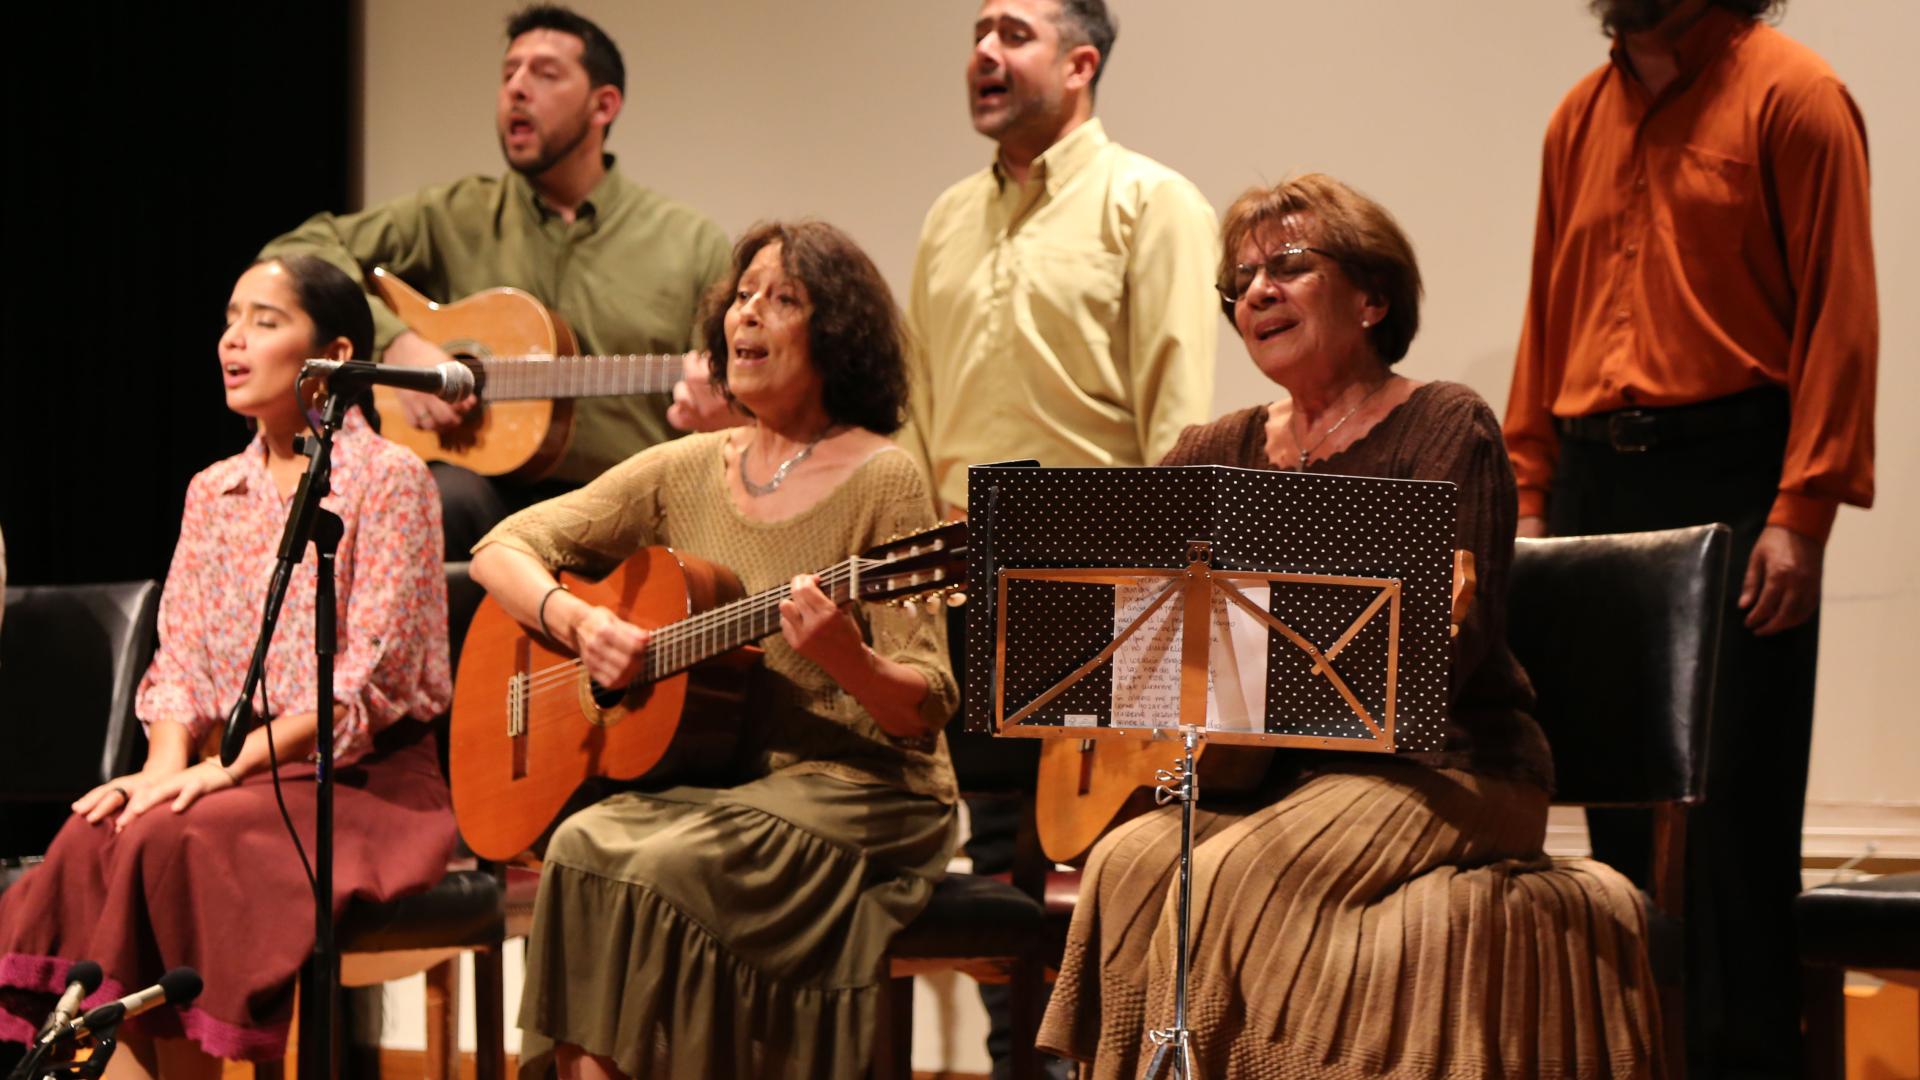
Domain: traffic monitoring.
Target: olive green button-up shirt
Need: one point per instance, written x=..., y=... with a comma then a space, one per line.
x=1070, y=318
x=628, y=274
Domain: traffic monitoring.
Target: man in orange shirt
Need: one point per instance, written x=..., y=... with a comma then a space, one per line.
x=1699, y=345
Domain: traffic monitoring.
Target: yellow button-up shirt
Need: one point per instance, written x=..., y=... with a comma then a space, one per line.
x=1070, y=318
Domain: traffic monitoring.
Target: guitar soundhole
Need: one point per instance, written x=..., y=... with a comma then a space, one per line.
x=605, y=698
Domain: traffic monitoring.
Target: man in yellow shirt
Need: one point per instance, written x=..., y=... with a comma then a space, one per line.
x=1063, y=306
x=1063, y=296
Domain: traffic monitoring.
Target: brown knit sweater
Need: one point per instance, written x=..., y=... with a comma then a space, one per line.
x=676, y=494
x=1444, y=431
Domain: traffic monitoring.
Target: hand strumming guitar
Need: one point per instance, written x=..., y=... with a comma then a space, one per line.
x=424, y=411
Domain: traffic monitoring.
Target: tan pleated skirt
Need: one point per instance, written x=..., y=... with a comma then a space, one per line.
x=1384, y=920
x=727, y=932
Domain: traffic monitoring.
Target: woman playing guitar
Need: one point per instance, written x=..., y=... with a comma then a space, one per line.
x=710, y=921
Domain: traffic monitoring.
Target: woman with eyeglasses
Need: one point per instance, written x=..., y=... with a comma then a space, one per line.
x=1365, y=915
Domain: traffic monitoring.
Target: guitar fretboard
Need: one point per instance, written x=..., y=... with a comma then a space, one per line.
x=678, y=646
x=523, y=378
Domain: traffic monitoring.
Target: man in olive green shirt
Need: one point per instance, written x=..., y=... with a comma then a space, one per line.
x=626, y=267
x=1063, y=296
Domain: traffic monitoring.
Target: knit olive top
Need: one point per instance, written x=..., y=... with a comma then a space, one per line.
x=676, y=494
x=1444, y=431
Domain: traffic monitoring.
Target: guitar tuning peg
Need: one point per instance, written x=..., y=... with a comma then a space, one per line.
x=955, y=599
x=933, y=604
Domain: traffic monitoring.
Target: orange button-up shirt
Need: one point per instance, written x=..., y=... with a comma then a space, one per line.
x=1703, y=242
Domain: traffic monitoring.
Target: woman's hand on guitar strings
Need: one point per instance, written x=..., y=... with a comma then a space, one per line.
x=612, y=648
x=818, y=630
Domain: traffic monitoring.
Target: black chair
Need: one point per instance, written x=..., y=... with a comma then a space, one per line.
x=1871, y=925
x=71, y=657
x=1621, y=636
x=994, y=929
x=476, y=908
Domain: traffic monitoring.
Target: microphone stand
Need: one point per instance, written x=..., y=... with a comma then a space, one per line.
x=308, y=522
x=35, y=1066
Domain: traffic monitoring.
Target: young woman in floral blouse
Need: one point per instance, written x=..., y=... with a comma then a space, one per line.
x=186, y=862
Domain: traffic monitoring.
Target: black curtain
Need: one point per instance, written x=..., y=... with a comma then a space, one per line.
x=155, y=148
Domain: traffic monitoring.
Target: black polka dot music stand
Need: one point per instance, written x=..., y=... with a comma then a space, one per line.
x=1324, y=604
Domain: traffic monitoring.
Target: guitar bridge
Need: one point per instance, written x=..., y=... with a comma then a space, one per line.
x=516, y=706
x=519, y=699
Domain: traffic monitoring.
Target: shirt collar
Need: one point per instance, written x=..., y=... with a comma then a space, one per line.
x=247, y=470
x=1059, y=162
x=1698, y=46
x=602, y=198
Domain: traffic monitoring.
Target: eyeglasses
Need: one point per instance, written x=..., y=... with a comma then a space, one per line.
x=1282, y=267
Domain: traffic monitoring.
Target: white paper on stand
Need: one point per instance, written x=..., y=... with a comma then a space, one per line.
x=1146, y=668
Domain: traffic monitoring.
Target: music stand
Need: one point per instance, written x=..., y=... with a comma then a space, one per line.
x=1079, y=603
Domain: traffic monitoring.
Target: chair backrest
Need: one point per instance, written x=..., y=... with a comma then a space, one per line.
x=71, y=657
x=463, y=599
x=1621, y=636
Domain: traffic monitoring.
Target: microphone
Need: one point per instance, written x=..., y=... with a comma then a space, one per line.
x=176, y=987
x=449, y=381
x=240, y=720
x=83, y=978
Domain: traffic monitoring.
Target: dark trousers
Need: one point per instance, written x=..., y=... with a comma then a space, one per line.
x=1007, y=767
x=1743, y=843
x=471, y=504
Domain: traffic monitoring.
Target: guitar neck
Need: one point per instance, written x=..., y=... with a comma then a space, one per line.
x=680, y=645
x=525, y=378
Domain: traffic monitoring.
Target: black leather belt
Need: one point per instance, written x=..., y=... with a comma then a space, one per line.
x=1638, y=430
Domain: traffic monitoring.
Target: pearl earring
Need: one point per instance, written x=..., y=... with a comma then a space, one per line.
x=1365, y=323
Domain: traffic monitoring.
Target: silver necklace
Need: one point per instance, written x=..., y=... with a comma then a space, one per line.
x=1306, y=451
x=779, y=475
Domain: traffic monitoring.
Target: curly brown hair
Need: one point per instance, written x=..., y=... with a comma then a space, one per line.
x=855, y=334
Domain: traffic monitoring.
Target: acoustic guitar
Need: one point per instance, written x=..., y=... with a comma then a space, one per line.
x=525, y=373
x=529, y=726
x=1087, y=787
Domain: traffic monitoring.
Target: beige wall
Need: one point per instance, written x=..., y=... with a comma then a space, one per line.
x=853, y=111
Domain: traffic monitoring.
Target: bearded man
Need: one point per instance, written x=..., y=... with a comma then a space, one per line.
x=1700, y=345
x=625, y=266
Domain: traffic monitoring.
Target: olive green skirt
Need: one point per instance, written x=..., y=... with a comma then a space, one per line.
x=1382, y=920
x=727, y=932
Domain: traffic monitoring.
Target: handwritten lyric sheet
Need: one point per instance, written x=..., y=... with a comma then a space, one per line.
x=1146, y=669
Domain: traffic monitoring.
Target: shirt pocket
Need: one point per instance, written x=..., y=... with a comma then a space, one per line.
x=1075, y=295
x=1714, y=199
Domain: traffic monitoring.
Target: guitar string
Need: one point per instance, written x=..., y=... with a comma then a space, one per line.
x=670, y=642
x=518, y=377
x=563, y=675
x=678, y=633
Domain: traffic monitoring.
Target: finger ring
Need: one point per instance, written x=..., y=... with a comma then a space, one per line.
x=121, y=790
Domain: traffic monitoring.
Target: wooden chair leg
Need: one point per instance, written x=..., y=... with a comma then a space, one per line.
x=893, y=1031
x=1824, y=1004
x=489, y=1015
x=1673, y=1030
x=443, y=1020
x=1023, y=1007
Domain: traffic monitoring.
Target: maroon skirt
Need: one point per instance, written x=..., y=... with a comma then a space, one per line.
x=219, y=888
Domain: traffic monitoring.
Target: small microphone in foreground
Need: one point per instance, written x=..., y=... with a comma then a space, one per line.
x=176, y=987
x=83, y=978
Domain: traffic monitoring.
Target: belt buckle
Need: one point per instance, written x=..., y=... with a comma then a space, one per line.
x=1631, y=431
